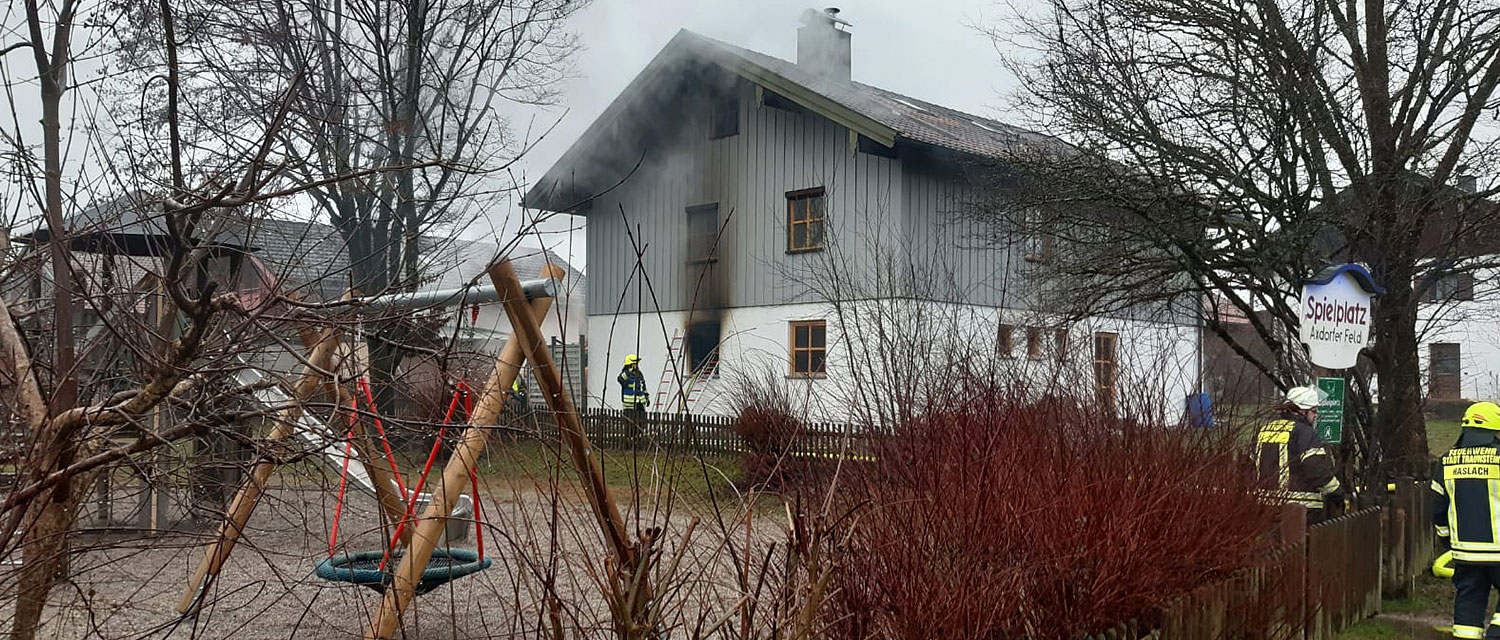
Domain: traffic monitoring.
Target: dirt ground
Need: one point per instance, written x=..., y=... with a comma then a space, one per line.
x=127, y=586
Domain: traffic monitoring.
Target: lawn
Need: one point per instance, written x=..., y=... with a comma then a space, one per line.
x=1415, y=616
x=1441, y=434
x=530, y=462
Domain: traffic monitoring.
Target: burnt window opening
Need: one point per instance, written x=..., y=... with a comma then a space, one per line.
x=724, y=116
x=805, y=219
x=703, y=233
x=703, y=348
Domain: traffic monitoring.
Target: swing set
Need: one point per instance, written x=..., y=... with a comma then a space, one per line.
x=412, y=562
x=368, y=568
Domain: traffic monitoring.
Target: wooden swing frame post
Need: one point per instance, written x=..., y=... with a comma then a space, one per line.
x=392, y=505
x=465, y=456
x=318, y=363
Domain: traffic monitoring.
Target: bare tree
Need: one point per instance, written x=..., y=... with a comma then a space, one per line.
x=423, y=85
x=188, y=365
x=1225, y=152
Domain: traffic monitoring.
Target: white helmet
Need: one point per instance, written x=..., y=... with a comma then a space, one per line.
x=1304, y=397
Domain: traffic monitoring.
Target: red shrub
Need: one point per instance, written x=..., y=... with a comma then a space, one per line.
x=994, y=517
x=769, y=430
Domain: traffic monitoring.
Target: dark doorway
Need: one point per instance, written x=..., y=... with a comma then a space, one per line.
x=703, y=346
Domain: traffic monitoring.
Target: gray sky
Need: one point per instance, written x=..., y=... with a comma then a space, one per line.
x=926, y=50
x=929, y=50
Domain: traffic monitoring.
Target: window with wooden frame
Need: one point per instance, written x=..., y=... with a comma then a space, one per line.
x=1445, y=371
x=703, y=233
x=1004, y=341
x=1034, y=343
x=1037, y=241
x=1060, y=343
x=809, y=348
x=1106, y=368
x=1451, y=287
x=805, y=212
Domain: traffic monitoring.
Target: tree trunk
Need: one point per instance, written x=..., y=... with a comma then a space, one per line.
x=1400, y=426
x=49, y=517
x=64, y=374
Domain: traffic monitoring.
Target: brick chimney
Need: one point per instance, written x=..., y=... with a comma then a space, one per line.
x=822, y=47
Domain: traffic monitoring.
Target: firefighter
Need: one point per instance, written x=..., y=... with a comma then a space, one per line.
x=517, y=397
x=1467, y=483
x=633, y=396
x=1293, y=465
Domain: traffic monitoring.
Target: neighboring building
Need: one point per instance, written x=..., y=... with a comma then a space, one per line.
x=311, y=260
x=1233, y=381
x=1459, y=336
x=119, y=242
x=790, y=220
x=1458, y=320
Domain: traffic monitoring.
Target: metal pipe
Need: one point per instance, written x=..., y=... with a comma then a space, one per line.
x=472, y=294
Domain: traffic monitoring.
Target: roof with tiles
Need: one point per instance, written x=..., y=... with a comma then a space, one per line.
x=309, y=259
x=909, y=117
x=885, y=117
x=314, y=257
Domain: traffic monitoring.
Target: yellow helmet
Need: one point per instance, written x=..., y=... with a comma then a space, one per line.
x=632, y=359
x=1483, y=415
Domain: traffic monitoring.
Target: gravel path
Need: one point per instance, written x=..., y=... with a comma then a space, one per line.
x=128, y=587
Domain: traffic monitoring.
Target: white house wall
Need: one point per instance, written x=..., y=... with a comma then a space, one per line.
x=1475, y=326
x=1157, y=362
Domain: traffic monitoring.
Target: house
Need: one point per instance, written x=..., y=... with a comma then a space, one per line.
x=1458, y=329
x=311, y=260
x=1458, y=289
x=750, y=216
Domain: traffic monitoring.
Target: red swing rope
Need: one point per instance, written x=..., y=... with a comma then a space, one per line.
x=411, y=506
x=390, y=456
x=461, y=390
x=474, y=472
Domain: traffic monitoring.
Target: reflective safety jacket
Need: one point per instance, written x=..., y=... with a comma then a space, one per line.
x=1292, y=463
x=516, y=393
x=633, y=388
x=1466, y=510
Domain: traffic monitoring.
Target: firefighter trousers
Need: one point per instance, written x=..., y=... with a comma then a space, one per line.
x=1471, y=598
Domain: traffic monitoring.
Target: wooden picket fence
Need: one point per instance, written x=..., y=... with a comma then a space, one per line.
x=1309, y=589
x=704, y=435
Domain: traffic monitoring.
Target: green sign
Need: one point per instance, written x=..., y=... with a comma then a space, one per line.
x=1331, y=410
